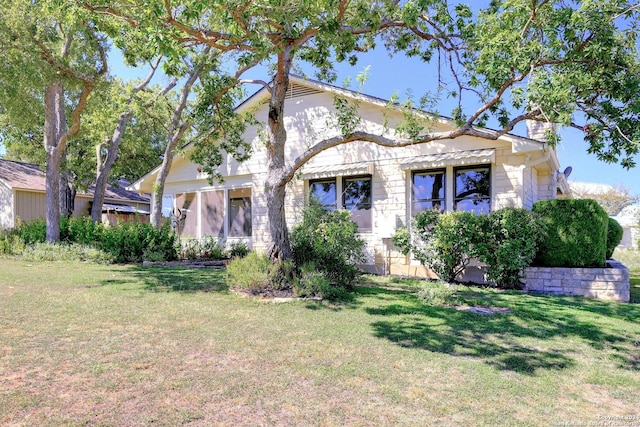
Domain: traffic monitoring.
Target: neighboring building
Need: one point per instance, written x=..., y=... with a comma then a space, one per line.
x=382, y=187
x=22, y=195
x=629, y=219
x=612, y=199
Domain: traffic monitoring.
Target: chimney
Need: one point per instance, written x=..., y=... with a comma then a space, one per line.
x=538, y=130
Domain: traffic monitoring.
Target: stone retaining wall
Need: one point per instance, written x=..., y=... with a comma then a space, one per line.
x=610, y=283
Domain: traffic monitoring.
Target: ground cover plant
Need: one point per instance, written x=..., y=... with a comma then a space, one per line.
x=90, y=344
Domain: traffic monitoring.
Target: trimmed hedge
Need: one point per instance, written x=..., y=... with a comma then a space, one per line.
x=614, y=236
x=576, y=233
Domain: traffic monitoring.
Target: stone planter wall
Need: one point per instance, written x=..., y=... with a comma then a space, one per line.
x=609, y=283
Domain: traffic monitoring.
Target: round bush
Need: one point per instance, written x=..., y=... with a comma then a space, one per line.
x=614, y=236
x=576, y=233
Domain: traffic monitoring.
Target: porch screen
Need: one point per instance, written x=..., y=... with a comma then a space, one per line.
x=240, y=212
x=212, y=213
x=187, y=209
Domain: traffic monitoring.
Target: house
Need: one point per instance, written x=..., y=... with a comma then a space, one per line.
x=382, y=187
x=22, y=196
x=629, y=219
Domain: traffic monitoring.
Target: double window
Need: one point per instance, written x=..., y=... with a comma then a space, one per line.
x=471, y=189
x=355, y=196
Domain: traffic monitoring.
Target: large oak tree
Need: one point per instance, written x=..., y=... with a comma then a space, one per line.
x=569, y=62
x=52, y=58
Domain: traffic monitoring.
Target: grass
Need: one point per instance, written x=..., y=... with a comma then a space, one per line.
x=631, y=259
x=88, y=344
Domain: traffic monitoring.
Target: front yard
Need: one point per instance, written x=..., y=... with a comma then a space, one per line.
x=87, y=344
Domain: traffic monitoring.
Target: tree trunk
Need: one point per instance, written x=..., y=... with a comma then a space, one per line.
x=54, y=127
x=105, y=170
x=67, y=194
x=278, y=244
x=158, y=185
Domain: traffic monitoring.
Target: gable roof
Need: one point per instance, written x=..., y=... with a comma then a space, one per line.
x=29, y=177
x=22, y=176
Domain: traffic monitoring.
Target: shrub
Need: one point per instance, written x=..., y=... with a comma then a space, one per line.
x=313, y=283
x=576, y=233
x=128, y=242
x=439, y=293
x=34, y=231
x=81, y=230
x=507, y=242
x=66, y=252
x=205, y=248
x=441, y=242
x=330, y=240
x=614, y=236
x=238, y=249
x=11, y=243
x=255, y=273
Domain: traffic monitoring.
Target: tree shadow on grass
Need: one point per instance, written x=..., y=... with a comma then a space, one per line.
x=513, y=341
x=179, y=279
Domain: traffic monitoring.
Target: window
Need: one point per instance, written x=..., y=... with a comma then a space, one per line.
x=324, y=191
x=472, y=189
x=212, y=213
x=428, y=191
x=356, y=198
x=186, y=215
x=240, y=212
x=461, y=189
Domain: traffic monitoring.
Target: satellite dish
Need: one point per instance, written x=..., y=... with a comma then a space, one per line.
x=567, y=171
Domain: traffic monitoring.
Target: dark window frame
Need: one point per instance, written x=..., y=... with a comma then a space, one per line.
x=442, y=200
x=370, y=203
x=485, y=197
x=243, y=199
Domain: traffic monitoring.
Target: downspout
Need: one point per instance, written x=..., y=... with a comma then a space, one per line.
x=530, y=164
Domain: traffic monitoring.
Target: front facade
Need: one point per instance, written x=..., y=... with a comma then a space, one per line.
x=23, y=198
x=382, y=187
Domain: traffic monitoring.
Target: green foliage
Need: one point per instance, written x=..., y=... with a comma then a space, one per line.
x=576, y=233
x=614, y=236
x=66, y=252
x=439, y=293
x=255, y=273
x=507, y=241
x=238, y=249
x=80, y=230
x=128, y=242
x=11, y=243
x=441, y=242
x=330, y=240
x=205, y=248
x=314, y=283
x=34, y=231
x=125, y=242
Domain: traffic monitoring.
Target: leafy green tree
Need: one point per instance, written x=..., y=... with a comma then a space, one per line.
x=569, y=62
x=52, y=58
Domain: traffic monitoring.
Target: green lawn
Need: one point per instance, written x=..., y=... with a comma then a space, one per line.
x=86, y=344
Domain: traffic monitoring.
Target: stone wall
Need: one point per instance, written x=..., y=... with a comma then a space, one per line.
x=610, y=283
